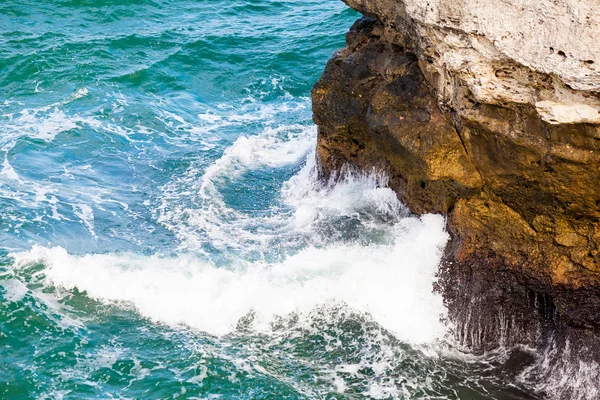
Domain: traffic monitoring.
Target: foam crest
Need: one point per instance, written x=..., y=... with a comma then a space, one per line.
x=44, y=127
x=44, y=122
x=274, y=147
x=306, y=210
x=351, y=193
x=199, y=213
x=391, y=283
x=15, y=290
x=8, y=171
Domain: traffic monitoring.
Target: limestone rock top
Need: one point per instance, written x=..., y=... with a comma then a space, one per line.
x=504, y=50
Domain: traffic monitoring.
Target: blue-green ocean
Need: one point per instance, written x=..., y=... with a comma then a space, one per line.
x=163, y=233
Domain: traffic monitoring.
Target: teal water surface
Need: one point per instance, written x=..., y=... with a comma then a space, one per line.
x=162, y=230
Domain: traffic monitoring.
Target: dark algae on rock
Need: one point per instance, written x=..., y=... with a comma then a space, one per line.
x=475, y=112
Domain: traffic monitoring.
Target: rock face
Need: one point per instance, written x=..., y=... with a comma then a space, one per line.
x=486, y=111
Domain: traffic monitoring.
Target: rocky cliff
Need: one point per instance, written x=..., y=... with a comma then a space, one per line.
x=488, y=112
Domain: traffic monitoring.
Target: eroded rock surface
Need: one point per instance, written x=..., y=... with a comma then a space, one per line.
x=486, y=111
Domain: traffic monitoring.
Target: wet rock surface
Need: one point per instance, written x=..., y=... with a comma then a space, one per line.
x=493, y=131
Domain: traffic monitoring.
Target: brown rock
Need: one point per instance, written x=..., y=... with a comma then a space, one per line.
x=516, y=170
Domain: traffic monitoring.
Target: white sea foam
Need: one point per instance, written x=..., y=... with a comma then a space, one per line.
x=46, y=126
x=15, y=290
x=557, y=374
x=46, y=122
x=344, y=195
x=194, y=209
x=391, y=283
x=8, y=171
x=274, y=147
x=86, y=214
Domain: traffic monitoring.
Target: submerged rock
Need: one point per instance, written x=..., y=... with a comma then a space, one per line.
x=487, y=112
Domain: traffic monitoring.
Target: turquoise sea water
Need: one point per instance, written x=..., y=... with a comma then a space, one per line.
x=162, y=231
